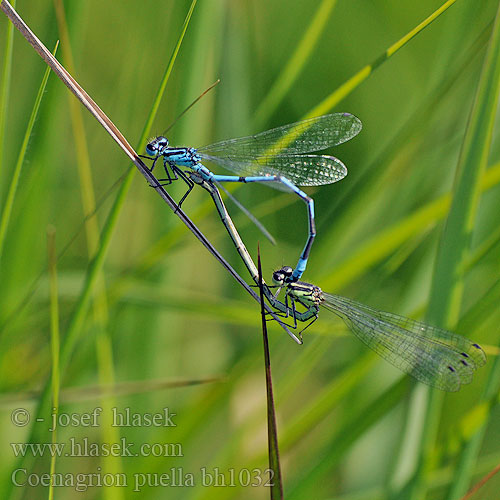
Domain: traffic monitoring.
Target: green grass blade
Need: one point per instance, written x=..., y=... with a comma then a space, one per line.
x=5, y=86
x=54, y=344
x=94, y=392
x=447, y=284
x=344, y=90
x=9, y=201
x=295, y=64
x=484, y=249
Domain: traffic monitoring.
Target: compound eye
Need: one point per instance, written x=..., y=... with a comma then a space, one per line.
x=278, y=277
x=150, y=148
x=287, y=271
x=162, y=142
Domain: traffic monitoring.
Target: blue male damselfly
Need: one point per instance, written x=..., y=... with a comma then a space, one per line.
x=277, y=156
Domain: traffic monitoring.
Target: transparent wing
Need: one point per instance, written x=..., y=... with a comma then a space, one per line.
x=305, y=136
x=302, y=170
x=434, y=356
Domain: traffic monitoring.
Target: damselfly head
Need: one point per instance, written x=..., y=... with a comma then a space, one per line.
x=281, y=275
x=278, y=278
x=156, y=146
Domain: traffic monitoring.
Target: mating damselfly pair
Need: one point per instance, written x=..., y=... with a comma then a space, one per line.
x=434, y=356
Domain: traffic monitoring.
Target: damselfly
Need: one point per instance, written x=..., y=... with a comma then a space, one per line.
x=278, y=156
x=432, y=355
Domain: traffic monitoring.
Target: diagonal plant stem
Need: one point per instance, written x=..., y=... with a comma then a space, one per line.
x=276, y=488
x=470, y=494
x=344, y=90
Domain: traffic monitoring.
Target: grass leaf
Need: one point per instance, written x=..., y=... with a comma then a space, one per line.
x=9, y=201
x=447, y=285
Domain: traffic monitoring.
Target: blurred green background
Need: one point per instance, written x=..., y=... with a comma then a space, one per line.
x=348, y=422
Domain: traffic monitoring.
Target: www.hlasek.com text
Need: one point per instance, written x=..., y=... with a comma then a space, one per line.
x=85, y=448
